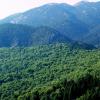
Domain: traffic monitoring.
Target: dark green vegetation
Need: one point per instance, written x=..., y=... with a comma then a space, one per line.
x=77, y=22
x=49, y=72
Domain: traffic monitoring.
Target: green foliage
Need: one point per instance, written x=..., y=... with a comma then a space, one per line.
x=49, y=72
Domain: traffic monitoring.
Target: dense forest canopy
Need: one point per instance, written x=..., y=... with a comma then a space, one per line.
x=49, y=72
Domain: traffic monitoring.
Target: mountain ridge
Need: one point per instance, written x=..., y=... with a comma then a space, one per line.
x=24, y=35
x=75, y=22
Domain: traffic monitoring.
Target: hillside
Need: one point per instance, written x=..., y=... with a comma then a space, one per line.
x=76, y=22
x=58, y=16
x=12, y=35
x=49, y=71
x=51, y=52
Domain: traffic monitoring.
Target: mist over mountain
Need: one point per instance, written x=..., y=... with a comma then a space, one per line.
x=58, y=16
x=12, y=35
x=78, y=22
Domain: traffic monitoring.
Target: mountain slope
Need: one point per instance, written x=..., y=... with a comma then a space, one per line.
x=58, y=16
x=77, y=22
x=89, y=13
x=49, y=71
x=93, y=37
x=12, y=35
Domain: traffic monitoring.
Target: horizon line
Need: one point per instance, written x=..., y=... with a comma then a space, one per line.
x=44, y=5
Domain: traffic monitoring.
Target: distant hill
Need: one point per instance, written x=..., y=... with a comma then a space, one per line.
x=17, y=35
x=89, y=13
x=78, y=22
x=12, y=35
x=58, y=16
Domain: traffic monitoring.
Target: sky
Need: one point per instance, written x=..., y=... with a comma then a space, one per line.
x=9, y=7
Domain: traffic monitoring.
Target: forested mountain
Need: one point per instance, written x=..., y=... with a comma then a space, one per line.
x=17, y=35
x=51, y=53
x=12, y=35
x=56, y=16
x=77, y=22
x=89, y=13
x=49, y=72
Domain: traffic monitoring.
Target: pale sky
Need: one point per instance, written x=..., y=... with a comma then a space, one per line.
x=8, y=7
